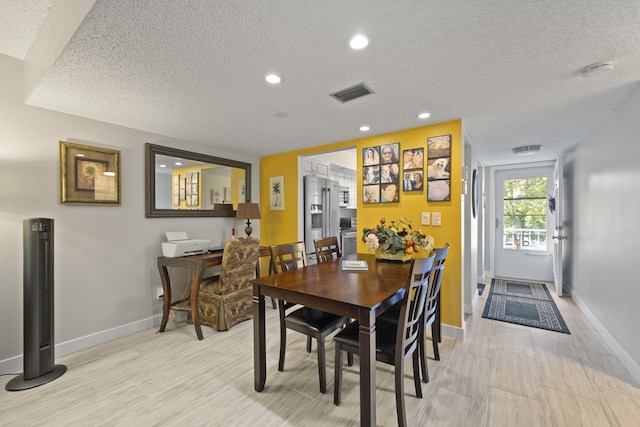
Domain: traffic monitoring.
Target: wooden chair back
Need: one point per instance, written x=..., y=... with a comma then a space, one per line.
x=413, y=307
x=288, y=256
x=327, y=249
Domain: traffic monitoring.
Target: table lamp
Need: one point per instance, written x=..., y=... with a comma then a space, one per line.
x=248, y=211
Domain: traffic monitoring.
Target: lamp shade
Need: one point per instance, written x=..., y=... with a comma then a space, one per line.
x=248, y=211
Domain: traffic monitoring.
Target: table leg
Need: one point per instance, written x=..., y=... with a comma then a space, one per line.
x=193, y=299
x=259, y=340
x=367, y=369
x=166, y=298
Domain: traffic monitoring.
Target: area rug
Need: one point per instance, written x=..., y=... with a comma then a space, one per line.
x=513, y=307
x=518, y=288
x=481, y=287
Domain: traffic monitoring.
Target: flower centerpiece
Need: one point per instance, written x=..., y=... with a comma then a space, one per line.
x=396, y=240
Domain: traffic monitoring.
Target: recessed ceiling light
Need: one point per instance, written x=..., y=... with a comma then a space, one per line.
x=273, y=78
x=424, y=115
x=364, y=128
x=526, y=149
x=178, y=163
x=358, y=42
x=163, y=166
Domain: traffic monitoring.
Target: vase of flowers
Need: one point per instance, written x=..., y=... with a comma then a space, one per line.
x=396, y=240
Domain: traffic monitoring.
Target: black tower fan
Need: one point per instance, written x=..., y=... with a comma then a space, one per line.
x=39, y=367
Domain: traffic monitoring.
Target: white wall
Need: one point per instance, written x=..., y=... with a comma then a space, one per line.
x=105, y=270
x=605, y=245
x=470, y=235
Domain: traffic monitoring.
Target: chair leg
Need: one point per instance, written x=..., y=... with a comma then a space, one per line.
x=422, y=353
x=436, y=353
x=283, y=345
x=349, y=358
x=416, y=375
x=337, y=379
x=438, y=321
x=402, y=413
x=322, y=369
x=308, y=344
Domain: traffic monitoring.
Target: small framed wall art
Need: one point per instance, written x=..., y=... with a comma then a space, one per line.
x=89, y=175
x=276, y=188
x=438, y=168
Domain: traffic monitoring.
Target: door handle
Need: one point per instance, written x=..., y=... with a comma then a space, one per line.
x=560, y=238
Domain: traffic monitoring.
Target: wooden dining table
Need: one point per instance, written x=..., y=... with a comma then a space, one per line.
x=361, y=295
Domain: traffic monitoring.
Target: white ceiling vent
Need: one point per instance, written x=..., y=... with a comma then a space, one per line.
x=353, y=92
x=526, y=149
x=597, y=69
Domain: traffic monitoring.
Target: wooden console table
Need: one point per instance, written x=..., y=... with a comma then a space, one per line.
x=199, y=263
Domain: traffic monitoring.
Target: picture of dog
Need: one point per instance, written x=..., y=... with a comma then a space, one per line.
x=437, y=169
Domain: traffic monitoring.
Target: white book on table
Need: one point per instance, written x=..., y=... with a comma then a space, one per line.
x=354, y=265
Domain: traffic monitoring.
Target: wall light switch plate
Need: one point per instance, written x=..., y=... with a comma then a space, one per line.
x=436, y=219
x=426, y=218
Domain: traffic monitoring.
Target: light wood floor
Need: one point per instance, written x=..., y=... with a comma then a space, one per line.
x=500, y=375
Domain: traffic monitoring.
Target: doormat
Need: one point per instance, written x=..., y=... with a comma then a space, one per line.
x=518, y=288
x=481, y=287
x=534, y=312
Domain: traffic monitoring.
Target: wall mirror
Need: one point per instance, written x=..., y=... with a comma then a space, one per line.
x=187, y=184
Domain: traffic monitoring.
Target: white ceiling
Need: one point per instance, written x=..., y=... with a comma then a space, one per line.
x=195, y=70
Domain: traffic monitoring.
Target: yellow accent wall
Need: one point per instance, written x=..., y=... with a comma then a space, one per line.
x=278, y=227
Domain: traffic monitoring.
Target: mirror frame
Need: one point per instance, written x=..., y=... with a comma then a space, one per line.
x=150, y=182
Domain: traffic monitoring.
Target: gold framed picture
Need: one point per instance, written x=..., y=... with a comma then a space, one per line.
x=89, y=175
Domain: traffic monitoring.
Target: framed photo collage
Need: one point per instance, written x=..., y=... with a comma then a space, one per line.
x=386, y=171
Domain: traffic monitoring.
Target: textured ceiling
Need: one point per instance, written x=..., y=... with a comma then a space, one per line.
x=195, y=70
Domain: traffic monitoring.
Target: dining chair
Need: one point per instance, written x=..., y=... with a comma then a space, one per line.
x=441, y=257
x=395, y=343
x=308, y=321
x=227, y=298
x=431, y=309
x=327, y=249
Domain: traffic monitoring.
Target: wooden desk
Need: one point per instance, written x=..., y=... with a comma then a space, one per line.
x=356, y=294
x=199, y=263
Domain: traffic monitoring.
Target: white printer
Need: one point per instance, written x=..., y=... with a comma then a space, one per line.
x=178, y=244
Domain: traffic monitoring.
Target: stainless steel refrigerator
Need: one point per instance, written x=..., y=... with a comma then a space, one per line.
x=321, y=210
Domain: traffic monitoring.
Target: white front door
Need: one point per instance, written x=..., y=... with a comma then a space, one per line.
x=523, y=247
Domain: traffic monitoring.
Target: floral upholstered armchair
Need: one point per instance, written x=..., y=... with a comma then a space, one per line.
x=226, y=299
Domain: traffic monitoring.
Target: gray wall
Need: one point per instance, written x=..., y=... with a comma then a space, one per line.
x=105, y=256
x=605, y=245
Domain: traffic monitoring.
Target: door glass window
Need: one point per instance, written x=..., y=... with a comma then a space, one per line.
x=525, y=216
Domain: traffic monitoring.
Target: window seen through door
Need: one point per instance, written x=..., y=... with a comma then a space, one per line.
x=525, y=216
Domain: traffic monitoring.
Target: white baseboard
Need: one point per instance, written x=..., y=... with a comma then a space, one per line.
x=15, y=364
x=452, y=332
x=618, y=350
x=468, y=308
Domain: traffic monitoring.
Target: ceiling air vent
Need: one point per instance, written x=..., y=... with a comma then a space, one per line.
x=353, y=92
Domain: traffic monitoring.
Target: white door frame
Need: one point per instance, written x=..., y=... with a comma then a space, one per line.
x=490, y=188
